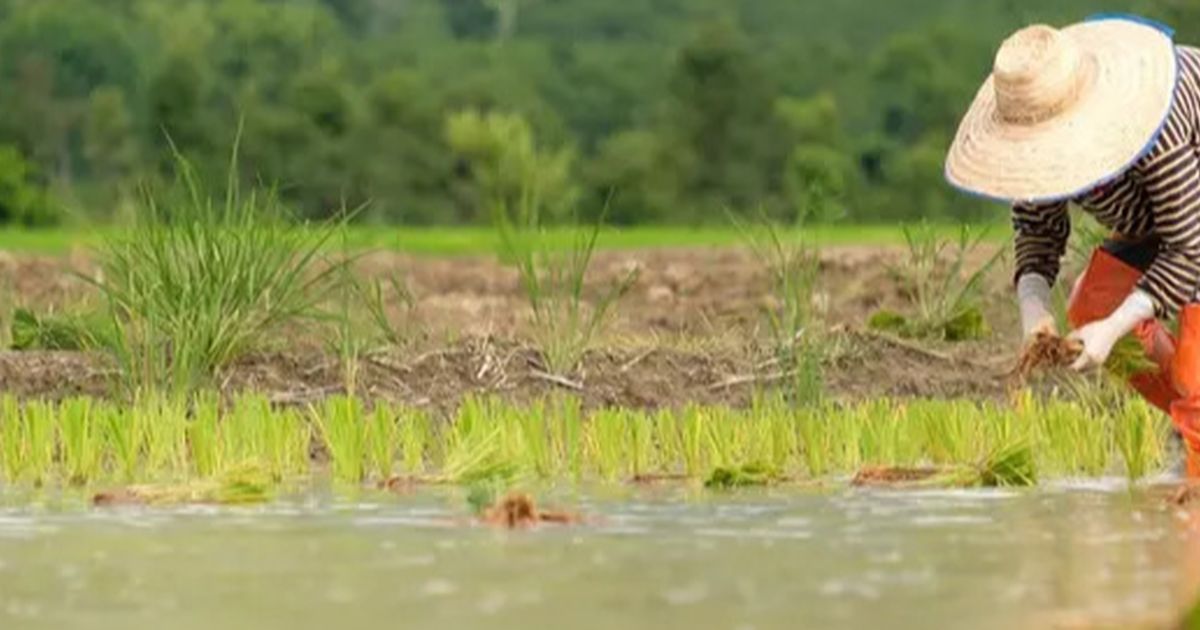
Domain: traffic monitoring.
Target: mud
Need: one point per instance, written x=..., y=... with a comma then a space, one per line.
x=692, y=330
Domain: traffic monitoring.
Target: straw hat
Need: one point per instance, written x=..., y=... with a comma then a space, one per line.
x=1065, y=110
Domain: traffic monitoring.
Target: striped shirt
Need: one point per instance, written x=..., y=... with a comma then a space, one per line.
x=1158, y=196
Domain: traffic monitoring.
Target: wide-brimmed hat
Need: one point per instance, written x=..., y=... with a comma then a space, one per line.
x=1065, y=110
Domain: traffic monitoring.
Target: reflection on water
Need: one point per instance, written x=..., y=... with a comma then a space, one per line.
x=1066, y=557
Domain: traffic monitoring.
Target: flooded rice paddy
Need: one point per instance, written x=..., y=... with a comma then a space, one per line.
x=1062, y=556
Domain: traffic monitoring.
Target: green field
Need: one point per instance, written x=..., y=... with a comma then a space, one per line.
x=456, y=241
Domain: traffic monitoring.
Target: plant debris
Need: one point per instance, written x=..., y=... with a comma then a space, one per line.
x=242, y=486
x=746, y=476
x=1008, y=466
x=1183, y=496
x=965, y=325
x=881, y=476
x=649, y=479
x=518, y=511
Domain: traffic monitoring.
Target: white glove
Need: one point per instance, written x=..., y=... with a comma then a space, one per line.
x=1033, y=297
x=1098, y=338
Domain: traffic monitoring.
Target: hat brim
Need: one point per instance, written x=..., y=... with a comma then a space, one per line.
x=1114, y=122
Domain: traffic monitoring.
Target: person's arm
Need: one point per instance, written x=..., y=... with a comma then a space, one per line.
x=1172, y=181
x=1171, y=176
x=1041, y=234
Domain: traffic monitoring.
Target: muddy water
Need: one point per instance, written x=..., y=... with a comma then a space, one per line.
x=1060, y=557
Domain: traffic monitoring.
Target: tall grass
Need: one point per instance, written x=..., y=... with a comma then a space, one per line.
x=565, y=322
x=489, y=441
x=200, y=279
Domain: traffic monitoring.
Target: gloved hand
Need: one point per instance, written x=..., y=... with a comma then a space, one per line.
x=1033, y=297
x=1098, y=338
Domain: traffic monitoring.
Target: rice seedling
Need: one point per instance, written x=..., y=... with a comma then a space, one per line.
x=383, y=438
x=245, y=484
x=204, y=438
x=1010, y=464
x=56, y=331
x=79, y=439
x=343, y=432
x=375, y=297
x=568, y=434
x=746, y=476
x=606, y=436
x=692, y=430
x=12, y=439
x=1138, y=438
x=123, y=436
x=415, y=434
x=164, y=426
x=476, y=457
x=553, y=280
x=287, y=435
x=38, y=419
x=494, y=443
x=945, y=295
x=793, y=265
x=197, y=281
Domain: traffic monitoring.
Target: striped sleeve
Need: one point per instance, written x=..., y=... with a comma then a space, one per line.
x=1041, y=234
x=1171, y=176
x=1172, y=180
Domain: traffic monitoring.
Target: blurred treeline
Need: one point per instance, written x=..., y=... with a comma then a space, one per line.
x=668, y=111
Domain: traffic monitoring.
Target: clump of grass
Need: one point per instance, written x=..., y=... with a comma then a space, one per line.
x=79, y=437
x=1009, y=465
x=946, y=296
x=204, y=436
x=8, y=309
x=796, y=324
x=197, y=280
x=343, y=432
x=383, y=438
x=565, y=323
x=246, y=484
x=476, y=446
x=745, y=476
x=56, y=331
x=375, y=296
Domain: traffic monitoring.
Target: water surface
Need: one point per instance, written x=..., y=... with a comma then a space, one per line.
x=1065, y=557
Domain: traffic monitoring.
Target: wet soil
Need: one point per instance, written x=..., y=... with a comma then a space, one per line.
x=692, y=330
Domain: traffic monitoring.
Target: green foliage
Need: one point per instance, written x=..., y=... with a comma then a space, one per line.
x=967, y=325
x=746, y=476
x=506, y=166
x=247, y=447
x=23, y=201
x=197, y=281
x=1009, y=465
x=344, y=434
x=671, y=110
x=945, y=294
x=553, y=279
x=52, y=331
x=796, y=322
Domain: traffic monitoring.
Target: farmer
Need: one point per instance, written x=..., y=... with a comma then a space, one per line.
x=1104, y=114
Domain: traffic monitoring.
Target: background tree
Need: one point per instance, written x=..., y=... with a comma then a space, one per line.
x=662, y=110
